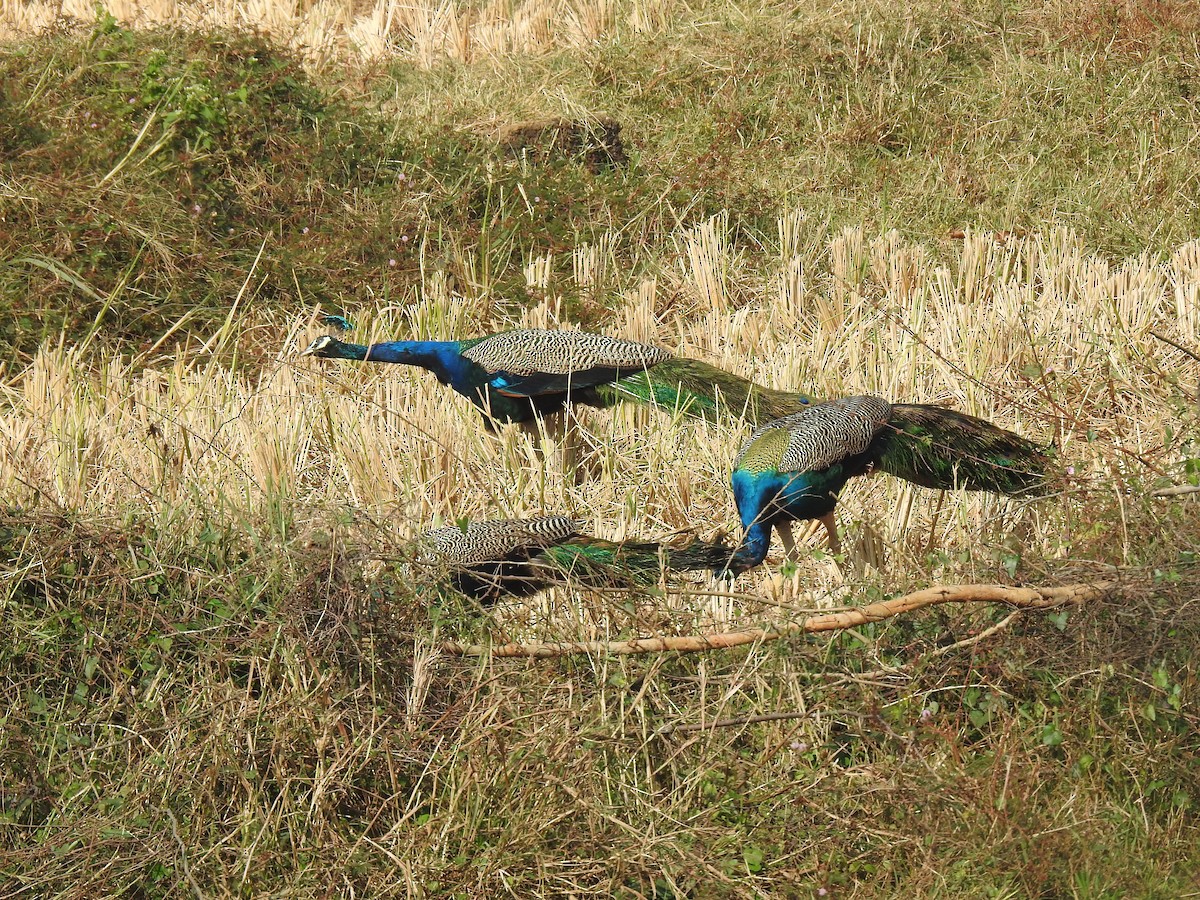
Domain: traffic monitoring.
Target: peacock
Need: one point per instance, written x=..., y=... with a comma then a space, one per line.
x=518, y=557
x=793, y=468
x=518, y=376
x=336, y=324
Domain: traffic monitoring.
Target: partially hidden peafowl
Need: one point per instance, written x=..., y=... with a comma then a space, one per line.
x=518, y=557
x=516, y=376
x=335, y=325
x=794, y=467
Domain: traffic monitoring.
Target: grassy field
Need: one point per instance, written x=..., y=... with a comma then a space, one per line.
x=212, y=680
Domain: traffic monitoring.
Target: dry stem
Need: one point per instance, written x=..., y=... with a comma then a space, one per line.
x=1025, y=598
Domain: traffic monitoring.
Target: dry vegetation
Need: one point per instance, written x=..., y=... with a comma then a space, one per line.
x=1033, y=334
x=329, y=466
x=214, y=685
x=328, y=31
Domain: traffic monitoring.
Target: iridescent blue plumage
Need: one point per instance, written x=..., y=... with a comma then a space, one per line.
x=793, y=468
x=517, y=376
x=772, y=500
x=513, y=376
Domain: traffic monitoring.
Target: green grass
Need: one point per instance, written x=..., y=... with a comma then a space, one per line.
x=247, y=692
x=927, y=121
x=230, y=705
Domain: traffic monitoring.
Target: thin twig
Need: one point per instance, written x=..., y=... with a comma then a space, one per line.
x=1179, y=347
x=1025, y=598
x=972, y=641
x=872, y=676
x=183, y=861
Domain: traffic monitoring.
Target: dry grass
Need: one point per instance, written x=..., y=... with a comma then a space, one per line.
x=1033, y=334
x=1129, y=28
x=327, y=31
x=212, y=684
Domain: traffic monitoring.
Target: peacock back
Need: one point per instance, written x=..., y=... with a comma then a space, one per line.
x=815, y=438
x=532, y=351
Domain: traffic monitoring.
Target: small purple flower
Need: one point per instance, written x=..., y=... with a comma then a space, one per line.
x=391, y=262
x=799, y=746
x=196, y=208
x=821, y=892
x=402, y=177
x=1070, y=470
x=404, y=238
x=95, y=124
x=926, y=714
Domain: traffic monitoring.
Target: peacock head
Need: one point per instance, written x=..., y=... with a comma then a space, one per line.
x=337, y=324
x=327, y=347
x=742, y=560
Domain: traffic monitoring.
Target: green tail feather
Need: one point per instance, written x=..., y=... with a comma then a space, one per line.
x=942, y=449
x=489, y=568
x=702, y=391
x=598, y=563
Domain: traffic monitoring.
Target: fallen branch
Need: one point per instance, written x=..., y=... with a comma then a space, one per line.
x=1024, y=598
x=1177, y=490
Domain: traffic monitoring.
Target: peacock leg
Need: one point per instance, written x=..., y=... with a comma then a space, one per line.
x=789, y=541
x=530, y=427
x=571, y=442
x=831, y=531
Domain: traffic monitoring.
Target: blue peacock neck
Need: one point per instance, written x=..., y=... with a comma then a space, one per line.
x=442, y=358
x=752, y=493
x=756, y=541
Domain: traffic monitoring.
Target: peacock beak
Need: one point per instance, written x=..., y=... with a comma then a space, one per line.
x=316, y=345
